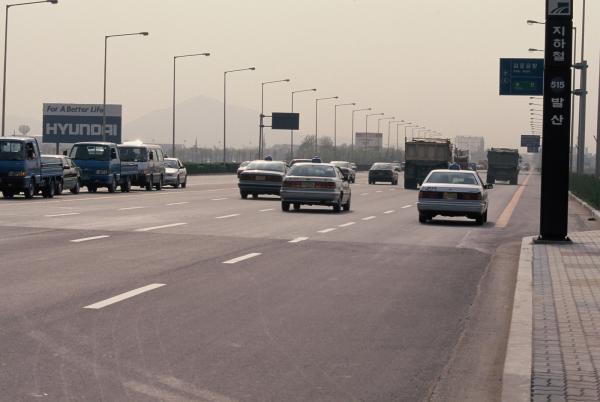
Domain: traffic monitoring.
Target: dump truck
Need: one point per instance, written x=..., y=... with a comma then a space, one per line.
x=424, y=155
x=503, y=164
x=463, y=158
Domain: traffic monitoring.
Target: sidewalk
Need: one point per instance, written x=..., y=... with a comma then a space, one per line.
x=561, y=356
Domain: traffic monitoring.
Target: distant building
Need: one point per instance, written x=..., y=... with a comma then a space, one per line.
x=475, y=146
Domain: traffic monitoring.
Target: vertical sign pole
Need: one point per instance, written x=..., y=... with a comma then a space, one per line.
x=557, y=112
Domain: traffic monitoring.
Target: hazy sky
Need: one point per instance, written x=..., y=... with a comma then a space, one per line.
x=433, y=62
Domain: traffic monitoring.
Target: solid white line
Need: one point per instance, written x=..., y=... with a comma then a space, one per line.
x=130, y=208
x=227, y=216
x=218, y=199
x=298, y=239
x=267, y=210
x=242, y=258
x=406, y=206
x=368, y=218
x=347, y=224
x=89, y=238
x=365, y=194
x=124, y=296
x=57, y=215
x=391, y=211
x=326, y=230
x=178, y=203
x=160, y=227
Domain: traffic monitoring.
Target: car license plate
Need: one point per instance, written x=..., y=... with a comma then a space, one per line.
x=450, y=196
x=308, y=185
x=261, y=178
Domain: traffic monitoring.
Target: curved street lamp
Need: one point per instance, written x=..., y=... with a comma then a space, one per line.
x=225, y=107
x=335, y=125
x=317, y=120
x=292, y=131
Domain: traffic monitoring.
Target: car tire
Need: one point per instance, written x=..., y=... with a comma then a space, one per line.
x=244, y=195
x=58, y=187
x=346, y=206
x=296, y=206
x=92, y=189
x=149, y=183
x=423, y=218
x=112, y=186
x=480, y=220
x=158, y=186
x=177, y=183
x=485, y=217
x=126, y=185
x=29, y=190
x=285, y=206
x=75, y=189
x=8, y=194
x=338, y=206
x=184, y=183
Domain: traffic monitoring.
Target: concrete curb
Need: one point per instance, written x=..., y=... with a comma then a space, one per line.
x=516, y=379
x=587, y=206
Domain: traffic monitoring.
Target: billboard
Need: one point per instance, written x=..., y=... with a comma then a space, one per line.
x=69, y=123
x=373, y=141
x=285, y=121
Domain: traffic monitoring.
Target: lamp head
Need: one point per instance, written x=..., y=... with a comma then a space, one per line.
x=52, y=1
x=142, y=33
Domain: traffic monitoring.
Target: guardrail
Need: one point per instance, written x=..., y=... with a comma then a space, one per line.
x=586, y=187
x=206, y=168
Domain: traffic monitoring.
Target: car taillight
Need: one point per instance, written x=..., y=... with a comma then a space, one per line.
x=324, y=184
x=247, y=177
x=274, y=178
x=469, y=196
x=291, y=184
x=430, y=194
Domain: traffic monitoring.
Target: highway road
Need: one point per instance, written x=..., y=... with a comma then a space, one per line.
x=196, y=295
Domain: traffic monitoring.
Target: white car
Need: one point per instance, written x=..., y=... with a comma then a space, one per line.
x=453, y=193
x=175, y=173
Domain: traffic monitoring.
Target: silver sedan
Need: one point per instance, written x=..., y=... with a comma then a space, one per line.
x=453, y=193
x=315, y=184
x=175, y=173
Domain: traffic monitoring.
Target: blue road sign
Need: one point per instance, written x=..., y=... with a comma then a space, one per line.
x=522, y=77
x=530, y=140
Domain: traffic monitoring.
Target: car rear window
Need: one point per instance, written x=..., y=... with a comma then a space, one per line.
x=341, y=164
x=273, y=166
x=313, y=171
x=452, y=178
x=133, y=154
x=172, y=163
x=90, y=152
x=382, y=166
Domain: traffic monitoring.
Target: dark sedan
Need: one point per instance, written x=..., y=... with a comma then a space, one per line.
x=262, y=177
x=383, y=172
x=71, y=179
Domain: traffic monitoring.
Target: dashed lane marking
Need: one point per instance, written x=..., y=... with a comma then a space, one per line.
x=227, y=216
x=326, y=230
x=368, y=218
x=219, y=199
x=391, y=211
x=65, y=214
x=171, y=225
x=365, y=194
x=346, y=224
x=379, y=191
x=242, y=258
x=267, y=210
x=178, y=203
x=406, y=206
x=84, y=239
x=298, y=240
x=130, y=208
x=124, y=296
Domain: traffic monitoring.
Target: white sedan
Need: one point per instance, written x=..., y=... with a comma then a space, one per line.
x=453, y=193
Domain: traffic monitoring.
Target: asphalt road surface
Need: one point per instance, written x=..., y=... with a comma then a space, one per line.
x=196, y=295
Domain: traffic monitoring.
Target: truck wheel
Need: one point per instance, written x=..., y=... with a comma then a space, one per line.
x=158, y=186
x=255, y=196
x=28, y=190
x=112, y=186
x=410, y=184
x=48, y=191
x=422, y=218
x=243, y=194
x=513, y=181
x=76, y=188
x=58, y=188
x=296, y=206
x=285, y=206
x=8, y=194
x=92, y=189
x=149, y=183
x=126, y=185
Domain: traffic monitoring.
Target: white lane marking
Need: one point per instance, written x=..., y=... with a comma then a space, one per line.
x=406, y=206
x=379, y=191
x=267, y=210
x=130, y=208
x=178, y=203
x=171, y=225
x=227, y=216
x=89, y=238
x=218, y=189
x=347, y=224
x=124, y=296
x=368, y=218
x=365, y=194
x=219, y=199
x=391, y=211
x=326, y=230
x=298, y=240
x=242, y=258
x=66, y=214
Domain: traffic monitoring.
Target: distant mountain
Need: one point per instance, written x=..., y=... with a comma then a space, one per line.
x=199, y=117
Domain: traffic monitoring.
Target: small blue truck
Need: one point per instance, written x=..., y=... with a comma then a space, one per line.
x=22, y=169
x=101, y=166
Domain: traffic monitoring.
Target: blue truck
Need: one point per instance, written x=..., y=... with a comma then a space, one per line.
x=22, y=169
x=101, y=166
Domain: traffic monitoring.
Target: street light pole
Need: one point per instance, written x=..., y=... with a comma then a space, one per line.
x=317, y=120
x=292, y=131
x=335, y=125
x=262, y=115
x=105, y=62
x=352, y=146
x=174, y=88
x=398, y=124
x=6, y=54
x=379, y=129
x=225, y=108
x=367, y=127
